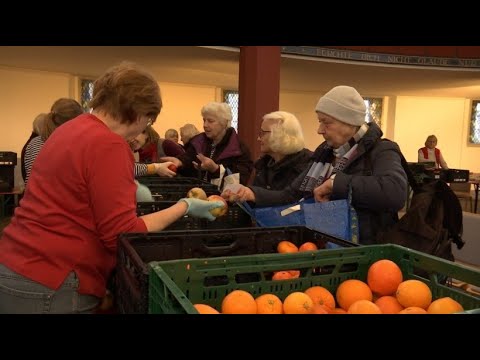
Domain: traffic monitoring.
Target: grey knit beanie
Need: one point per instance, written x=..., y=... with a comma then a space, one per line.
x=343, y=103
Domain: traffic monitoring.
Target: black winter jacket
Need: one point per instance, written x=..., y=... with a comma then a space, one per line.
x=378, y=183
x=278, y=175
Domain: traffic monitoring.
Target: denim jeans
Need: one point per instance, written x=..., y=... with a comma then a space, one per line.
x=20, y=295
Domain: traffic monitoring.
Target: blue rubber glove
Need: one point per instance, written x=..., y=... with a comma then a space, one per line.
x=143, y=193
x=201, y=208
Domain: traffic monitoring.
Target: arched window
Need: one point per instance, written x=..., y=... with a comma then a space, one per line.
x=374, y=110
x=475, y=123
x=231, y=98
x=86, y=93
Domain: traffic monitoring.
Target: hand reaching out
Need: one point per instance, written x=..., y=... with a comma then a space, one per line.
x=201, y=208
x=162, y=169
x=205, y=164
x=243, y=194
x=322, y=193
x=178, y=163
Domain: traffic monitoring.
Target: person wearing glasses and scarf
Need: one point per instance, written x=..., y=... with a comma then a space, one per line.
x=377, y=180
x=283, y=148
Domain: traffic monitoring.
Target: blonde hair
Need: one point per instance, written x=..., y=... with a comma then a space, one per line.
x=38, y=123
x=286, y=135
x=171, y=133
x=222, y=112
x=188, y=131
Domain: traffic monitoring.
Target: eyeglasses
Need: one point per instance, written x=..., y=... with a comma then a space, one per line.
x=263, y=132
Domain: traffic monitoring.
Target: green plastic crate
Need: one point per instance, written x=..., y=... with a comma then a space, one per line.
x=176, y=285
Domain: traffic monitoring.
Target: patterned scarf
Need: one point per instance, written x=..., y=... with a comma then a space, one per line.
x=322, y=167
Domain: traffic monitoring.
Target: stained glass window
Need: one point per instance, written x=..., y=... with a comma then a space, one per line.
x=374, y=110
x=86, y=93
x=231, y=98
x=475, y=123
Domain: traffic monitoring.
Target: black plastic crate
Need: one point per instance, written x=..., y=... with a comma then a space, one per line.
x=173, y=192
x=158, y=180
x=135, y=251
x=234, y=218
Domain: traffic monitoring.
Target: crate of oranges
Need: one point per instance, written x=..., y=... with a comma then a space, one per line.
x=373, y=279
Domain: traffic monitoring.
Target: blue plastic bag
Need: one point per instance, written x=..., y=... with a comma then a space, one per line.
x=336, y=218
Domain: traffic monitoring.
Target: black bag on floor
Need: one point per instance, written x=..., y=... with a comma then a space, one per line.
x=432, y=222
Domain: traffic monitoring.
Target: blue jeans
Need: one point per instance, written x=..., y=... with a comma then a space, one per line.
x=20, y=295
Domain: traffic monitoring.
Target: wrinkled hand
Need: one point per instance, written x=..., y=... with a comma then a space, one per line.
x=243, y=194
x=201, y=208
x=322, y=193
x=205, y=164
x=162, y=169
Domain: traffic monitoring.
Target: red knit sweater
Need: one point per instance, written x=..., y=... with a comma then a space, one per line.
x=80, y=196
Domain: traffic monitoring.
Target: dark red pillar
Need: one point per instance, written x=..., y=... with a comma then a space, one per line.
x=259, y=91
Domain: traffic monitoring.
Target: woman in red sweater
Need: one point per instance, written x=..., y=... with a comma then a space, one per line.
x=60, y=247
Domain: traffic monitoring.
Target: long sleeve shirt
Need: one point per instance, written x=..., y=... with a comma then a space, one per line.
x=80, y=197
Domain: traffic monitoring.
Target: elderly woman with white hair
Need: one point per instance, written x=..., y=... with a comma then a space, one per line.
x=283, y=148
x=219, y=145
x=352, y=157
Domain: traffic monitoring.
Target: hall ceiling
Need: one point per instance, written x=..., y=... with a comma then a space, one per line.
x=218, y=66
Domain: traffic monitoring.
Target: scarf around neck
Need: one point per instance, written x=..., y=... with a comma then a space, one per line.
x=322, y=168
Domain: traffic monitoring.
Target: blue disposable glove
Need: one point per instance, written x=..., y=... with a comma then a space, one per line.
x=143, y=193
x=201, y=208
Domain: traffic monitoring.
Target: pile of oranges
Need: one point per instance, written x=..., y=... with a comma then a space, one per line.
x=383, y=292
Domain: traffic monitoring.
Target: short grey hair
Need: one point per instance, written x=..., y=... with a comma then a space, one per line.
x=222, y=112
x=287, y=135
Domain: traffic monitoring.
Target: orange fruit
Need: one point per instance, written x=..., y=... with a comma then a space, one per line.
x=413, y=310
x=364, y=307
x=239, y=302
x=383, y=277
x=414, y=293
x=308, y=246
x=338, y=311
x=295, y=273
x=321, y=309
x=445, y=305
x=321, y=296
x=269, y=304
x=284, y=247
x=352, y=290
x=282, y=275
x=298, y=303
x=205, y=309
x=389, y=305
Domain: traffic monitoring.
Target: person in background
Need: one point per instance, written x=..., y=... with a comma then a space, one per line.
x=285, y=157
x=187, y=132
x=219, y=145
x=172, y=134
x=151, y=147
x=37, y=126
x=62, y=110
x=60, y=247
x=352, y=157
x=430, y=153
